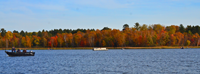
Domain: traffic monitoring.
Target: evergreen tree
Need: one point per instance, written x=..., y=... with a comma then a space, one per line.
x=3, y=32
x=106, y=28
x=60, y=31
x=22, y=33
x=197, y=29
x=34, y=33
x=189, y=28
x=181, y=28
x=125, y=26
x=39, y=33
x=137, y=26
x=15, y=31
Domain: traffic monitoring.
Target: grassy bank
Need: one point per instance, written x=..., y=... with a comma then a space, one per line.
x=89, y=48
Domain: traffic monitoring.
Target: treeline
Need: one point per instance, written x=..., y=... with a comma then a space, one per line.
x=51, y=32
x=136, y=36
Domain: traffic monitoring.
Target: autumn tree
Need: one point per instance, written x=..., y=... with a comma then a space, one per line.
x=158, y=28
x=9, y=36
x=60, y=39
x=23, y=41
x=77, y=39
x=90, y=37
x=65, y=39
x=52, y=41
x=152, y=35
x=44, y=39
x=150, y=40
x=164, y=38
x=70, y=39
x=171, y=29
x=15, y=40
x=188, y=42
x=179, y=38
x=98, y=38
x=103, y=43
x=143, y=27
x=36, y=41
x=28, y=42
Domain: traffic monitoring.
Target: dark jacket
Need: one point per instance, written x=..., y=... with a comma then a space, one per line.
x=13, y=49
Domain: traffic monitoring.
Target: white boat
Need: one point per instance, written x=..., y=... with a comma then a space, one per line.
x=99, y=49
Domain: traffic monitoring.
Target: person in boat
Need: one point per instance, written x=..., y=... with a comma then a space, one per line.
x=13, y=49
x=24, y=50
x=18, y=50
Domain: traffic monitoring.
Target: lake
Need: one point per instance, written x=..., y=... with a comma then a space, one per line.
x=135, y=61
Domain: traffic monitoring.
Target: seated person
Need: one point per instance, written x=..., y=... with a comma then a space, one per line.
x=18, y=50
x=24, y=50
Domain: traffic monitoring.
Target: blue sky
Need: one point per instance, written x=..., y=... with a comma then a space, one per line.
x=35, y=15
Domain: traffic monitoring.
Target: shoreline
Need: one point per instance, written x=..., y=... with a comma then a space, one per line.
x=90, y=48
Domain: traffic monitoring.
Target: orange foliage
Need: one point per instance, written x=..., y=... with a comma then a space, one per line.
x=154, y=35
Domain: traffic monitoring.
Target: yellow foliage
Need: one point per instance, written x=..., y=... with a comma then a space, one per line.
x=188, y=42
x=9, y=35
x=103, y=43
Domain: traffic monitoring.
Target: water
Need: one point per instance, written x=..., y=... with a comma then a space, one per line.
x=137, y=61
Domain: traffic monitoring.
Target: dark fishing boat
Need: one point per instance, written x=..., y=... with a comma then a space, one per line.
x=182, y=47
x=20, y=53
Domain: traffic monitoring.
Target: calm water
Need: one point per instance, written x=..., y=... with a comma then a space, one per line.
x=141, y=61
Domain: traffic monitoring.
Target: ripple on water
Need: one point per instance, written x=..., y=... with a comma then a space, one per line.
x=148, y=61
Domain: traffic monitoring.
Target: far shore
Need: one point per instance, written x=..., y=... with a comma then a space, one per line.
x=90, y=48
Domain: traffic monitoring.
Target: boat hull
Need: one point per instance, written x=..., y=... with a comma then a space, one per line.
x=99, y=49
x=20, y=53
